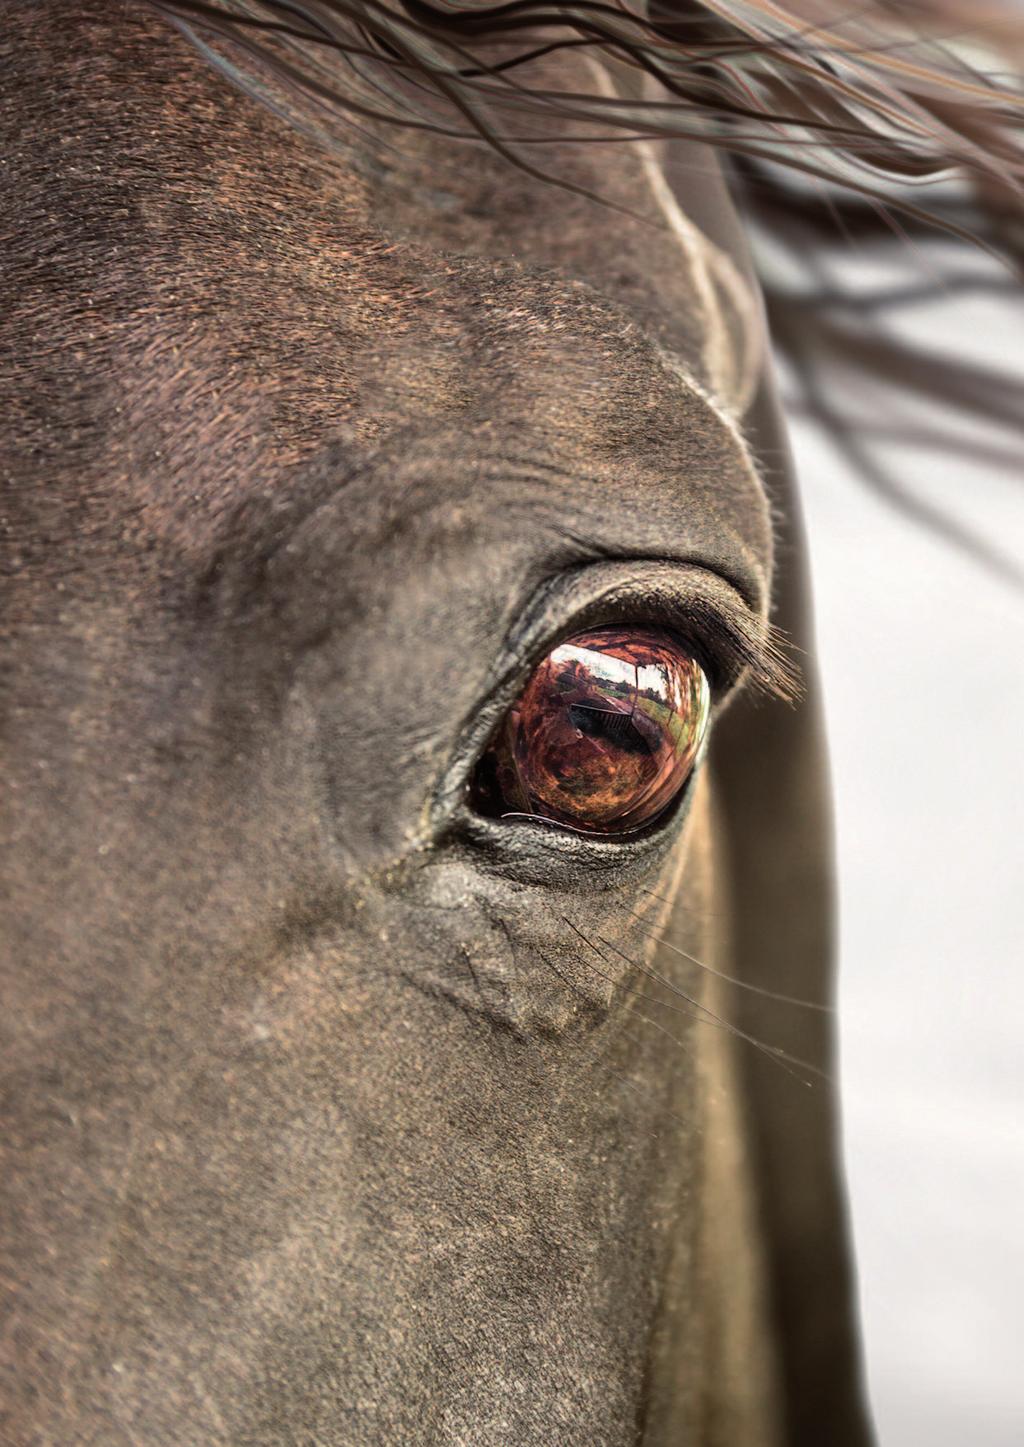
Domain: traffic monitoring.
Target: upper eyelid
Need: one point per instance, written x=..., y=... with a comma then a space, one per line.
x=698, y=605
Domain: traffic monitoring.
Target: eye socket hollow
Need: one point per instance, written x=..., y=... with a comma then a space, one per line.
x=604, y=735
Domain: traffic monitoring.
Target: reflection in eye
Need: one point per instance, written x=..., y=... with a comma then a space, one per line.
x=603, y=737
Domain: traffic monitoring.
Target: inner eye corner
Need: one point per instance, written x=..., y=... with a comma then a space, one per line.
x=603, y=737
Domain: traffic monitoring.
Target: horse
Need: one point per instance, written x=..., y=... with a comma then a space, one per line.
x=351, y=1096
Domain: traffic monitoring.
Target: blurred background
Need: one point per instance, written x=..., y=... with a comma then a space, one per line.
x=922, y=653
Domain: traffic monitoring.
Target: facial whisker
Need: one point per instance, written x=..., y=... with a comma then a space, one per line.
x=637, y=994
x=774, y=1053
x=731, y=979
x=619, y=1076
x=627, y=990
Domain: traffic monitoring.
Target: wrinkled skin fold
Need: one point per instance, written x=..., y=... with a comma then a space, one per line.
x=333, y=1111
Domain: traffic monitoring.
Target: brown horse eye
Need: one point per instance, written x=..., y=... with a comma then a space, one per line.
x=604, y=735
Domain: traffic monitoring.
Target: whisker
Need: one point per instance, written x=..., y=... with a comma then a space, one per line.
x=775, y=1053
x=731, y=979
x=579, y=1048
x=691, y=909
x=628, y=990
x=637, y=994
x=619, y=1076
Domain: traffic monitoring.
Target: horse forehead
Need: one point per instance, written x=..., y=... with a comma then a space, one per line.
x=191, y=158
x=623, y=221
x=245, y=297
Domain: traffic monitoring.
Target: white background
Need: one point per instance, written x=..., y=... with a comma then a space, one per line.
x=922, y=653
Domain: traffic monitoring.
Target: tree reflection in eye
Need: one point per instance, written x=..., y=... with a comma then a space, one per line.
x=603, y=737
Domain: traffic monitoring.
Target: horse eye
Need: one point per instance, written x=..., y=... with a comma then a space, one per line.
x=603, y=737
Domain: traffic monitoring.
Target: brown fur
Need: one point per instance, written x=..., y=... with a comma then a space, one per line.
x=322, y=1125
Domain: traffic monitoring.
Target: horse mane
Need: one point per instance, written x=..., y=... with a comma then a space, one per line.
x=898, y=125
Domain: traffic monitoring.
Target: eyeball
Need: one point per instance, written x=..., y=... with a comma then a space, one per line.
x=604, y=735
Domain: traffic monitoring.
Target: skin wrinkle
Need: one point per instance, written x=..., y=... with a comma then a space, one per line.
x=321, y=1125
x=527, y=492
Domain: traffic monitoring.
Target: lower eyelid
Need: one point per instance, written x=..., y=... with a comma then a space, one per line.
x=555, y=857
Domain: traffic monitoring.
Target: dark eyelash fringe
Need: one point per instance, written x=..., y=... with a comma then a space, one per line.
x=756, y=652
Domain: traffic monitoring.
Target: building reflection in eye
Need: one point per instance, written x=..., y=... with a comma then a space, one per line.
x=613, y=726
x=604, y=735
